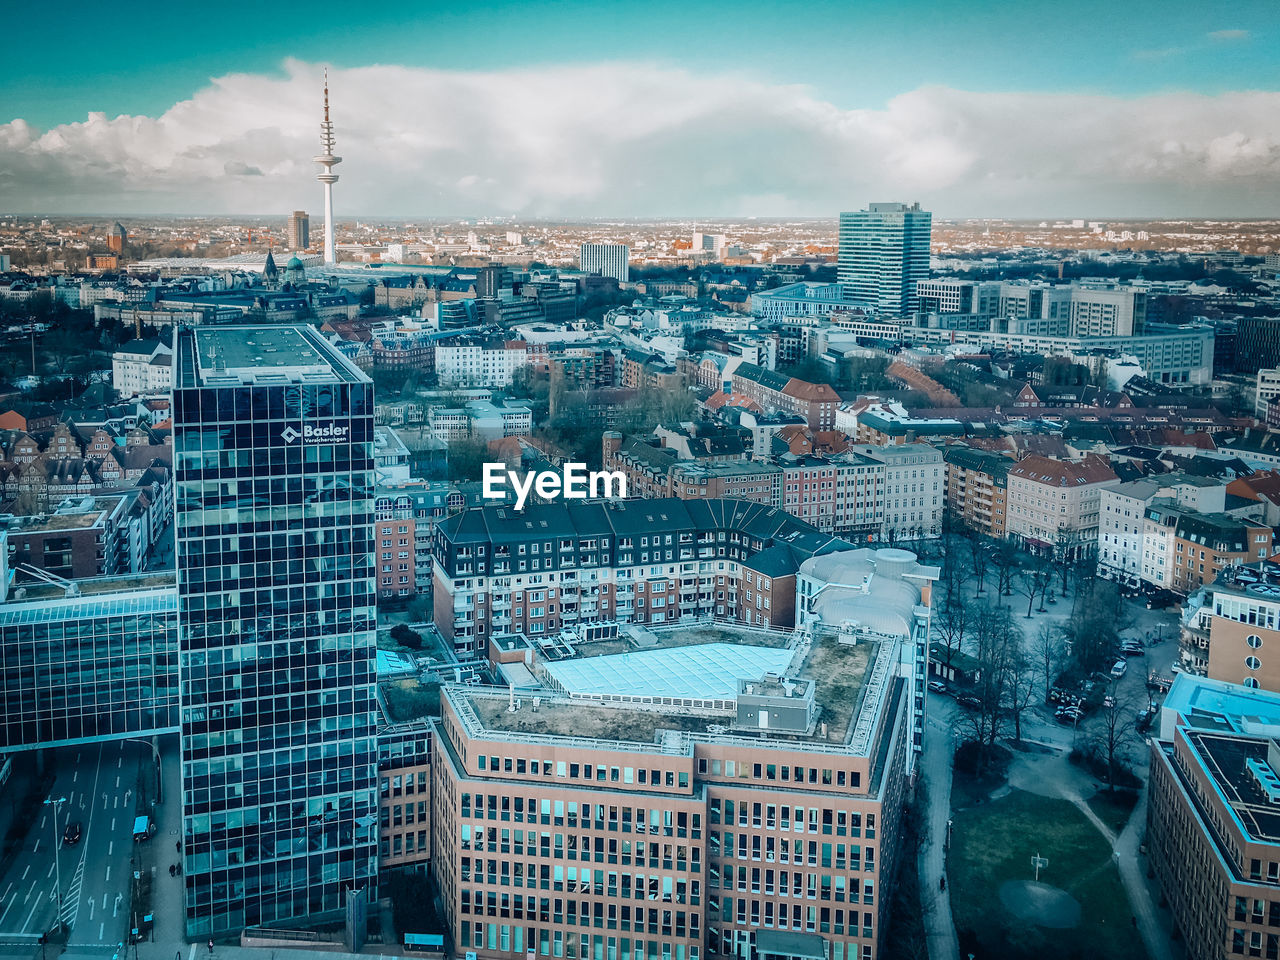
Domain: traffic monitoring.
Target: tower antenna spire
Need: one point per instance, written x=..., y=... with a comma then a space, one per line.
x=328, y=161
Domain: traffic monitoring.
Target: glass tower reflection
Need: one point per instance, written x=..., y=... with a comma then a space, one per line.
x=273, y=447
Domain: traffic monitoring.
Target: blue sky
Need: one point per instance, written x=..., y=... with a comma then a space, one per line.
x=143, y=58
x=853, y=60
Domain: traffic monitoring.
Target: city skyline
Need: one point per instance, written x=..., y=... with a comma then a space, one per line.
x=1171, y=116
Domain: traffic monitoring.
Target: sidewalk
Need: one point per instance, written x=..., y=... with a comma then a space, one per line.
x=935, y=768
x=167, y=940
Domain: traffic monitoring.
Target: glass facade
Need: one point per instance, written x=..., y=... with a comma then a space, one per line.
x=274, y=476
x=884, y=252
x=88, y=668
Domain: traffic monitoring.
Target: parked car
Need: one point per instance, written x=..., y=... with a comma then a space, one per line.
x=71, y=836
x=937, y=686
x=1068, y=715
x=1119, y=669
x=972, y=702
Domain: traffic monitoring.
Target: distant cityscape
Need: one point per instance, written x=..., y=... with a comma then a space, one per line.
x=937, y=618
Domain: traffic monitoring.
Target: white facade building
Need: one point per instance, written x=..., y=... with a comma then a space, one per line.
x=472, y=362
x=1268, y=389
x=606, y=259
x=142, y=367
x=915, y=490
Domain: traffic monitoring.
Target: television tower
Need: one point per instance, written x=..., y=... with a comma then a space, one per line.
x=328, y=177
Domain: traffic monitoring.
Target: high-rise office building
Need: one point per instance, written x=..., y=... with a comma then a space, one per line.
x=273, y=445
x=606, y=259
x=884, y=253
x=299, y=230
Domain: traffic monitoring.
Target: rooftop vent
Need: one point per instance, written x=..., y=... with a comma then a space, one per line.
x=1265, y=778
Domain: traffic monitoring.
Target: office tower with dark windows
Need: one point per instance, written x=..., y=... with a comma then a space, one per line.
x=884, y=253
x=273, y=446
x=299, y=230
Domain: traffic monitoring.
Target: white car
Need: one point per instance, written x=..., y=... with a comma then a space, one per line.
x=1119, y=669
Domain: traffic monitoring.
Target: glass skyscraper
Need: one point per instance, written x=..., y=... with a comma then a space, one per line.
x=884, y=252
x=273, y=448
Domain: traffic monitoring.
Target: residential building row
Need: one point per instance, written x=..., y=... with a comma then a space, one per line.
x=883, y=494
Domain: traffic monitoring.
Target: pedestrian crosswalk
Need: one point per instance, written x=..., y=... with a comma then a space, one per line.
x=71, y=903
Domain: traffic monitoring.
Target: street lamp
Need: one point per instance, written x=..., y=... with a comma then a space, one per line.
x=155, y=752
x=57, y=852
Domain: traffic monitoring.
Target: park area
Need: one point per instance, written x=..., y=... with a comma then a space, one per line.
x=1076, y=909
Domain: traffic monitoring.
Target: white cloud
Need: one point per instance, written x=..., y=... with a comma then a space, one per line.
x=640, y=139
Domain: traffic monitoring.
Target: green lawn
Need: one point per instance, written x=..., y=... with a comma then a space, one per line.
x=995, y=841
x=1113, y=809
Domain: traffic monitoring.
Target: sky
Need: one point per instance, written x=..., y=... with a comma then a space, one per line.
x=1027, y=108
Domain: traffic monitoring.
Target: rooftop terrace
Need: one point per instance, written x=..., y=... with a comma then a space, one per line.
x=638, y=691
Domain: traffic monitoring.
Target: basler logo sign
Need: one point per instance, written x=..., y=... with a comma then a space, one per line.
x=575, y=482
x=311, y=434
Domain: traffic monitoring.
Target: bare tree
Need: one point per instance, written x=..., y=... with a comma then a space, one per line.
x=1115, y=737
x=1005, y=559
x=1049, y=653
x=1033, y=581
x=1022, y=687
x=951, y=623
x=979, y=559
x=997, y=643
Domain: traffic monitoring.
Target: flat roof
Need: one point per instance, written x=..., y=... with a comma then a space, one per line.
x=263, y=354
x=159, y=581
x=678, y=677
x=1224, y=756
x=708, y=671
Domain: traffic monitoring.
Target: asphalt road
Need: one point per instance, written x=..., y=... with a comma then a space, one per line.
x=98, y=782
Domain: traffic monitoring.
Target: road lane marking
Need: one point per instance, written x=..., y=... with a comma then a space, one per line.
x=75, y=776
x=24, y=874
x=92, y=904
x=52, y=867
x=113, y=824
x=117, y=783
x=36, y=848
x=101, y=927
x=26, y=923
x=112, y=845
x=104, y=901
x=108, y=871
x=8, y=908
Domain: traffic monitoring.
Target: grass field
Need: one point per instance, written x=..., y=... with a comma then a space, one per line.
x=1113, y=809
x=994, y=842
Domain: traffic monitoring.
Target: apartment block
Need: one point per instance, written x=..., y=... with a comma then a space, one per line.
x=556, y=565
x=465, y=360
x=1138, y=519
x=977, y=489
x=1231, y=627
x=816, y=403
x=914, y=490
x=1205, y=544
x=1053, y=504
